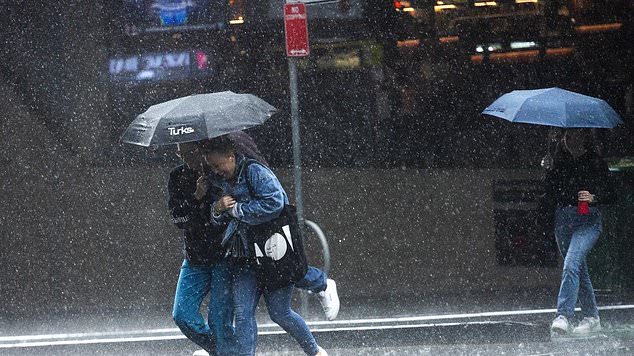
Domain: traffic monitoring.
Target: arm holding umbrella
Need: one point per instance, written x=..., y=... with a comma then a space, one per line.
x=185, y=209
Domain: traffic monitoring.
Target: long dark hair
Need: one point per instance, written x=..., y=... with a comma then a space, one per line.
x=245, y=145
x=221, y=144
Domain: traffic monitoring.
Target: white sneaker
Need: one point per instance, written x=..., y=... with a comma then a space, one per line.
x=588, y=325
x=321, y=352
x=329, y=299
x=200, y=353
x=560, y=325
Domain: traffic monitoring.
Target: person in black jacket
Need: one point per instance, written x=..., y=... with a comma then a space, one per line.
x=204, y=270
x=576, y=183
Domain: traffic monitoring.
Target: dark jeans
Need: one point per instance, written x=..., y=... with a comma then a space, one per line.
x=194, y=282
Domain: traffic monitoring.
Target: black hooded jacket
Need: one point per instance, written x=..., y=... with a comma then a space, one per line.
x=570, y=175
x=201, y=238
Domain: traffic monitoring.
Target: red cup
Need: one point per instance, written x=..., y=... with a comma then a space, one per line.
x=583, y=208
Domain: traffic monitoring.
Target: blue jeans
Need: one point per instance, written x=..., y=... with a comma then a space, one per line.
x=194, y=282
x=246, y=295
x=314, y=281
x=576, y=235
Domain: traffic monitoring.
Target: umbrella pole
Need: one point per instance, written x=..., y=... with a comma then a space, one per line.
x=297, y=158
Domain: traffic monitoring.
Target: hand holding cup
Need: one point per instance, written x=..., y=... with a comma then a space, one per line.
x=585, y=195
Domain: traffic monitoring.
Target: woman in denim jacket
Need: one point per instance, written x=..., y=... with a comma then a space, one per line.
x=251, y=195
x=577, y=181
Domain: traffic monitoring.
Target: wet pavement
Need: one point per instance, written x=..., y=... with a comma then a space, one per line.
x=512, y=325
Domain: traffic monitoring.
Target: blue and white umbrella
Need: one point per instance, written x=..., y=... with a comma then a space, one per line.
x=554, y=107
x=197, y=117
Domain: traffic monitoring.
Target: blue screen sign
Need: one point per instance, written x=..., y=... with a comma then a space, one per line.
x=141, y=16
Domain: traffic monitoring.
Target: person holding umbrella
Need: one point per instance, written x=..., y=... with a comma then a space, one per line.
x=183, y=121
x=252, y=195
x=576, y=183
x=204, y=270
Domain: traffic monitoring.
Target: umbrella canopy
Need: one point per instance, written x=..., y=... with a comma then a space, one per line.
x=197, y=117
x=554, y=107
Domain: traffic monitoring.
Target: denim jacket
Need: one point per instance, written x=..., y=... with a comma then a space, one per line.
x=259, y=197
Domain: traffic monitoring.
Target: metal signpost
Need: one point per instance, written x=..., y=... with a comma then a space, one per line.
x=296, y=29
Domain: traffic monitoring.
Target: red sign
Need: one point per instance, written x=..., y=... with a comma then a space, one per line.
x=296, y=29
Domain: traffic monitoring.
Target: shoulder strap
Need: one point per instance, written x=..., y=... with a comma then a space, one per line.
x=245, y=166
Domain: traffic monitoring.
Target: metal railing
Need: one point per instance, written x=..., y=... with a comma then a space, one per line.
x=326, y=255
x=324, y=243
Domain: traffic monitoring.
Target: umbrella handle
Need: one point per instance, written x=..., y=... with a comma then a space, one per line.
x=204, y=169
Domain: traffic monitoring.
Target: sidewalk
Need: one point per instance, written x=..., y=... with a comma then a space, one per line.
x=468, y=324
x=490, y=330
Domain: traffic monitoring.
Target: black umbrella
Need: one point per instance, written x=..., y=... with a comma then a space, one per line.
x=197, y=117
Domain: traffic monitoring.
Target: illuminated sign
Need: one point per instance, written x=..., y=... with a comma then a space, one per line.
x=159, y=66
x=174, y=15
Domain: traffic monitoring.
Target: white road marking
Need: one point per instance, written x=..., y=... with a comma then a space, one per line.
x=21, y=341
